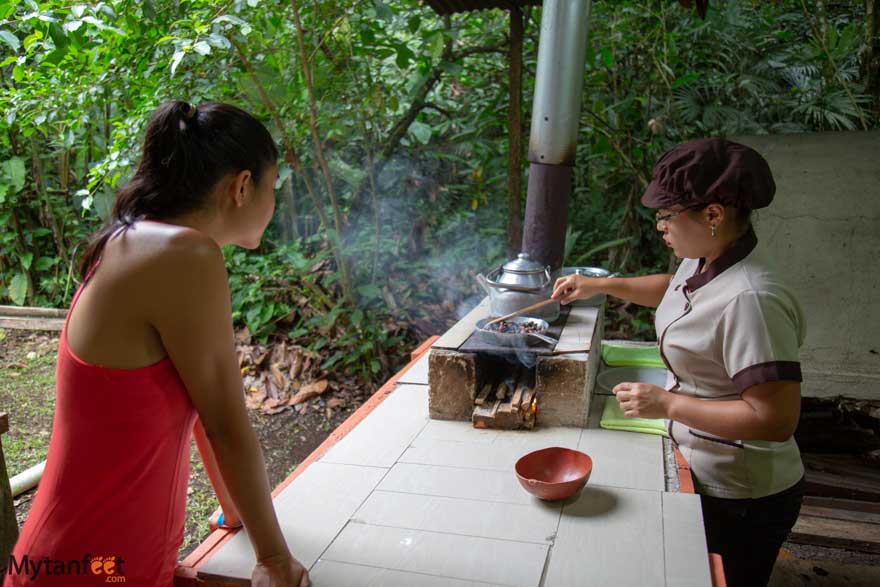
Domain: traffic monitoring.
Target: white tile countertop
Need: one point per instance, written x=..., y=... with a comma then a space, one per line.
x=403, y=500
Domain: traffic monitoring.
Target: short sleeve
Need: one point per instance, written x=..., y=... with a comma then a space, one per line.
x=761, y=334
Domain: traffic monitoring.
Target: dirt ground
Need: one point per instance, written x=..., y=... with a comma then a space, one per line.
x=27, y=393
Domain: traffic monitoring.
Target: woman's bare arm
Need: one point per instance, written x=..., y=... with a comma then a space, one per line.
x=193, y=316
x=767, y=411
x=646, y=290
x=227, y=507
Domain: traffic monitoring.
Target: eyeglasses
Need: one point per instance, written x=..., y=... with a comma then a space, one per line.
x=658, y=217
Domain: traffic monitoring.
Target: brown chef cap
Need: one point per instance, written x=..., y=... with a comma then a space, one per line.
x=710, y=170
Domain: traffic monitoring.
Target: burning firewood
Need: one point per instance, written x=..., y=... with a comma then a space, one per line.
x=484, y=395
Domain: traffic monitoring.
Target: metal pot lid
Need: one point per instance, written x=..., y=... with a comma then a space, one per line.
x=523, y=264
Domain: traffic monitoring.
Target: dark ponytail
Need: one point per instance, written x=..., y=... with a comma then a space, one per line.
x=187, y=150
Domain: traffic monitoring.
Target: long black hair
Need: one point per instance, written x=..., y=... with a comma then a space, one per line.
x=187, y=150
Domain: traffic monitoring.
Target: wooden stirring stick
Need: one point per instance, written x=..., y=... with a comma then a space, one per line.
x=521, y=311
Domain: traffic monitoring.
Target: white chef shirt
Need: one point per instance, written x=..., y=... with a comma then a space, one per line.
x=720, y=332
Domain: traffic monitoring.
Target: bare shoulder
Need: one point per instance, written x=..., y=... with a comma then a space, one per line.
x=178, y=266
x=166, y=248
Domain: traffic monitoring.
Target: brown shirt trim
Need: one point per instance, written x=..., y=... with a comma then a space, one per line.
x=736, y=252
x=767, y=372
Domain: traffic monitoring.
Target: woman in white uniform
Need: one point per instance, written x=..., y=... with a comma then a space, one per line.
x=729, y=332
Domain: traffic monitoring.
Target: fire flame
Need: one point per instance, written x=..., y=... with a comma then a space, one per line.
x=534, y=406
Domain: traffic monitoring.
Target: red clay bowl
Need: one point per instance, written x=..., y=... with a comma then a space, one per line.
x=554, y=473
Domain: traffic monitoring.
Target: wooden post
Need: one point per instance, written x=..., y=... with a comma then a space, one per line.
x=514, y=135
x=871, y=55
x=8, y=524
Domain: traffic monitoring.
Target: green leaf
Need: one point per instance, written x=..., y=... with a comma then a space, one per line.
x=685, y=79
x=413, y=23
x=58, y=36
x=18, y=289
x=175, y=60
x=437, y=45
x=421, y=131
x=383, y=12
x=13, y=173
x=44, y=263
x=55, y=57
x=403, y=57
x=202, y=48
x=10, y=40
x=357, y=317
x=26, y=260
x=219, y=41
x=607, y=57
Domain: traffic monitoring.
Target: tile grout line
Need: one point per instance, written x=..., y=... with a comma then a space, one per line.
x=519, y=503
x=506, y=470
x=493, y=538
x=418, y=573
x=547, y=558
x=347, y=522
x=663, y=536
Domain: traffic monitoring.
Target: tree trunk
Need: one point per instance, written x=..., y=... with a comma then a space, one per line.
x=871, y=55
x=292, y=218
x=514, y=135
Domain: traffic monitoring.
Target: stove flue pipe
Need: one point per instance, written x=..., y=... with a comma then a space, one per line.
x=556, y=108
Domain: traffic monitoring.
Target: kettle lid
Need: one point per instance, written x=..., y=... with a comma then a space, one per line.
x=523, y=264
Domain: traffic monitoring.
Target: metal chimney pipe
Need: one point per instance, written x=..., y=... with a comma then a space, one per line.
x=555, y=113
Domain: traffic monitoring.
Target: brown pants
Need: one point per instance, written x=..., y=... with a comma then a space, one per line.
x=748, y=533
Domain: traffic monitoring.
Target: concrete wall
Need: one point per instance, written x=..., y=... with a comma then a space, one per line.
x=824, y=227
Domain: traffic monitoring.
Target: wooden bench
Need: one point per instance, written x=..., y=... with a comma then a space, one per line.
x=8, y=525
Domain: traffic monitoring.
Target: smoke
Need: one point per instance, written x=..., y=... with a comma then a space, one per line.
x=429, y=244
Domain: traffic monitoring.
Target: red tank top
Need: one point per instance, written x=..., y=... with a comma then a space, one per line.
x=115, y=479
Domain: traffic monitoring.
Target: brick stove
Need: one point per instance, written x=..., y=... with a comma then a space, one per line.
x=521, y=388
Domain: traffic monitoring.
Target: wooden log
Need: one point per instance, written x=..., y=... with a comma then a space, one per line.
x=484, y=416
x=830, y=485
x=851, y=535
x=516, y=400
x=841, y=476
x=501, y=392
x=32, y=312
x=21, y=323
x=841, y=514
x=8, y=523
x=527, y=397
x=483, y=397
x=844, y=504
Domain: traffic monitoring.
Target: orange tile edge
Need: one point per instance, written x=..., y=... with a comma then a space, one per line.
x=716, y=569
x=685, y=481
x=186, y=573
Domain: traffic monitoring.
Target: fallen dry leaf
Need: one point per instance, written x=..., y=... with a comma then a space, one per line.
x=308, y=392
x=243, y=336
x=278, y=377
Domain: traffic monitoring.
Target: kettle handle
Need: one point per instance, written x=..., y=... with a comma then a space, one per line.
x=484, y=283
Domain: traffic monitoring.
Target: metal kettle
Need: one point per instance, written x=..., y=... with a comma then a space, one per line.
x=519, y=283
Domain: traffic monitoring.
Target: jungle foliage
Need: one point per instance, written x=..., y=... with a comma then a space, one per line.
x=393, y=128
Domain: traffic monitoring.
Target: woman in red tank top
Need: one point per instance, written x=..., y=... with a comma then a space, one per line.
x=146, y=356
